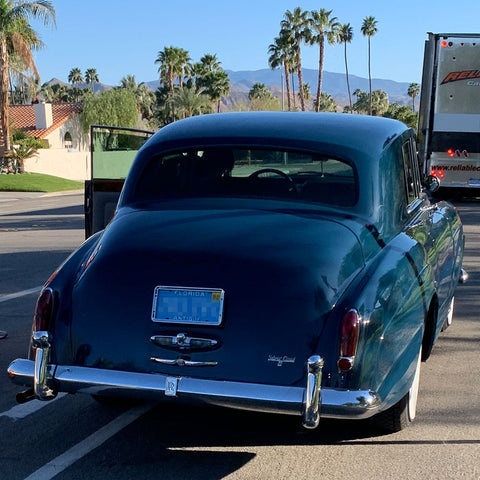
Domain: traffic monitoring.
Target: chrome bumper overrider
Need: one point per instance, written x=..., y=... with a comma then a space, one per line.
x=311, y=402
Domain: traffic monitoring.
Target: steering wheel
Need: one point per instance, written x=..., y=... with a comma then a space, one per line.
x=275, y=171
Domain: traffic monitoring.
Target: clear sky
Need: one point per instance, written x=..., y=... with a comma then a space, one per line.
x=123, y=37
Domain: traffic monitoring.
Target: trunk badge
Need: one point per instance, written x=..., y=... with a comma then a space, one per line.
x=280, y=360
x=171, y=384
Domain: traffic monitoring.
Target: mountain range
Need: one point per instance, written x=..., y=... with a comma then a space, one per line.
x=332, y=83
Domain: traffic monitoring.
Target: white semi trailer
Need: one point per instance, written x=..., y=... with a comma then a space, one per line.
x=449, y=115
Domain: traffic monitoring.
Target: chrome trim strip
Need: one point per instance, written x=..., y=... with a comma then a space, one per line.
x=181, y=362
x=346, y=404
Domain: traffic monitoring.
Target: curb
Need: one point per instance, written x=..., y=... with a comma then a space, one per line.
x=62, y=193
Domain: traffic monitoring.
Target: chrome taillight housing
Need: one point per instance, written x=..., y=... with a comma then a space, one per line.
x=43, y=310
x=348, y=340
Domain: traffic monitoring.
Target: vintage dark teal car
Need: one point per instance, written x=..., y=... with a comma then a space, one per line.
x=279, y=262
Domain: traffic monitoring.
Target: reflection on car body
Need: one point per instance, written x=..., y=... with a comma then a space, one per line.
x=281, y=262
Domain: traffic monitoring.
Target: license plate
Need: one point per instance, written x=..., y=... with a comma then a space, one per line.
x=192, y=306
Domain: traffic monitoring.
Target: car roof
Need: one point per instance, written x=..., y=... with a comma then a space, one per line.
x=362, y=140
x=307, y=130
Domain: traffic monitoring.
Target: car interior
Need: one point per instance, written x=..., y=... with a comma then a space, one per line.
x=243, y=172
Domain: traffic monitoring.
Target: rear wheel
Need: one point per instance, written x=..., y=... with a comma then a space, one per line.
x=402, y=414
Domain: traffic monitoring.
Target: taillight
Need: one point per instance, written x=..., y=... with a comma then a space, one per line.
x=348, y=340
x=43, y=310
x=457, y=153
x=437, y=172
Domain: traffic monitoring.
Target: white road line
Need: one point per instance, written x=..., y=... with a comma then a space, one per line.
x=24, y=409
x=12, y=296
x=63, y=461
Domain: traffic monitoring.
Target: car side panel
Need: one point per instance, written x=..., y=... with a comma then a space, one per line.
x=391, y=298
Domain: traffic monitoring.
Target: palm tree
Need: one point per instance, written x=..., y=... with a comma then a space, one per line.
x=167, y=60
x=208, y=66
x=327, y=103
x=281, y=53
x=210, y=63
x=259, y=90
x=369, y=29
x=377, y=101
x=362, y=103
x=75, y=77
x=91, y=77
x=184, y=66
x=213, y=78
x=14, y=16
x=144, y=97
x=189, y=102
x=296, y=26
x=380, y=102
x=413, y=91
x=306, y=92
x=322, y=26
x=128, y=82
x=174, y=62
x=22, y=74
x=261, y=98
x=217, y=86
x=345, y=35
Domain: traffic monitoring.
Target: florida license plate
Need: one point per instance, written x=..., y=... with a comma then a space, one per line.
x=197, y=306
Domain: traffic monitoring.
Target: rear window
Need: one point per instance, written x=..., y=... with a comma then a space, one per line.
x=242, y=172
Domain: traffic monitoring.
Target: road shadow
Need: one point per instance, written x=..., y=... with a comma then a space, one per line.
x=66, y=218
x=60, y=211
x=178, y=441
x=24, y=270
x=189, y=426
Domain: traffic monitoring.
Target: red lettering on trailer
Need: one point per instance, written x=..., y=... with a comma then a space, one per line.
x=462, y=75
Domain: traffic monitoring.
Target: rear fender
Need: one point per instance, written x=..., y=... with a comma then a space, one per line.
x=391, y=297
x=62, y=282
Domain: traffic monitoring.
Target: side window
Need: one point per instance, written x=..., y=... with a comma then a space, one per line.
x=412, y=175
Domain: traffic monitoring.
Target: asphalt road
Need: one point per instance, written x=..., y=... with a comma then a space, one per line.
x=74, y=437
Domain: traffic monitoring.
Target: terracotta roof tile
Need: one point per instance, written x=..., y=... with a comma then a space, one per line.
x=23, y=117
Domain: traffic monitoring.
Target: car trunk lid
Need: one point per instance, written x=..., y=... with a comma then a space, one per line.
x=279, y=275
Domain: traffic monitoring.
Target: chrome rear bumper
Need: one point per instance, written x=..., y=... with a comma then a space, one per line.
x=329, y=403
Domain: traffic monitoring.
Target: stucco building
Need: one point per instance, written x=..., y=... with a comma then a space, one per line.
x=68, y=155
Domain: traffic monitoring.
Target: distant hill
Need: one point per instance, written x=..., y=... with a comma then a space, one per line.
x=97, y=86
x=332, y=83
